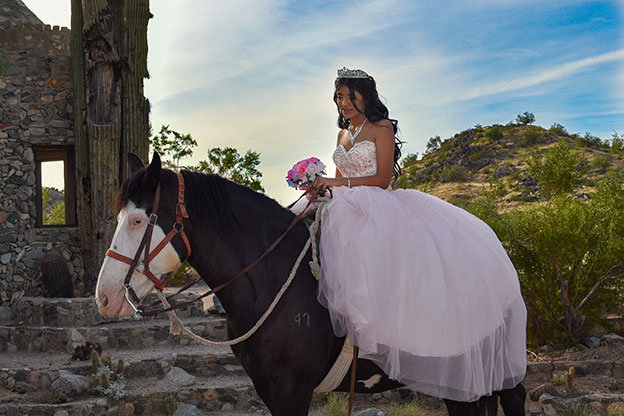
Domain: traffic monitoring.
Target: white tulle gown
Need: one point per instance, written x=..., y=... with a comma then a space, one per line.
x=422, y=287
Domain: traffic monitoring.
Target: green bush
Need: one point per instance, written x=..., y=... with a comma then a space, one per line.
x=603, y=161
x=454, y=173
x=557, y=128
x=530, y=136
x=525, y=118
x=495, y=132
x=558, y=170
x=481, y=154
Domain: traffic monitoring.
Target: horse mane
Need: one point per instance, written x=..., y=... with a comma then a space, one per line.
x=207, y=194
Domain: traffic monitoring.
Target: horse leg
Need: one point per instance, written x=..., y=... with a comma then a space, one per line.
x=288, y=401
x=456, y=408
x=512, y=400
x=485, y=406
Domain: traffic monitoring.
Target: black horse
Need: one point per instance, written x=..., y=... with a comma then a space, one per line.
x=229, y=226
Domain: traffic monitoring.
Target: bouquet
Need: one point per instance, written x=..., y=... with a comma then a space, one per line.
x=304, y=172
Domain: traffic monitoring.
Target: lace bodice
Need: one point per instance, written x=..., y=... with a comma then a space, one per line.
x=360, y=160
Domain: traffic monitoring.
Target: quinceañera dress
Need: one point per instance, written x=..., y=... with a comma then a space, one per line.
x=422, y=287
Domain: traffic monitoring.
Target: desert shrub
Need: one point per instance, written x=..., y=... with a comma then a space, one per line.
x=495, y=132
x=562, y=250
x=433, y=145
x=589, y=140
x=557, y=170
x=481, y=154
x=617, y=143
x=557, y=128
x=602, y=161
x=530, y=136
x=454, y=173
x=337, y=404
x=525, y=118
x=406, y=409
x=409, y=160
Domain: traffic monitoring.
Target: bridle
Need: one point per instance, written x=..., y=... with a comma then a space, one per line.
x=144, y=247
x=178, y=228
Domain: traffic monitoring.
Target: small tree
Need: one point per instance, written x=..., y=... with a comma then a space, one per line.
x=617, y=143
x=495, y=132
x=558, y=170
x=433, y=145
x=172, y=144
x=228, y=163
x=558, y=129
x=409, y=160
x=525, y=118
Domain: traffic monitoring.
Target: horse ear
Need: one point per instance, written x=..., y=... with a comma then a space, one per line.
x=134, y=163
x=152, y=175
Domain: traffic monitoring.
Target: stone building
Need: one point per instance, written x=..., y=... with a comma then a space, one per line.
x=36, y=126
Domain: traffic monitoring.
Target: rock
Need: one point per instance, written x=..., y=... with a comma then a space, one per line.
x=546, y=399
x=369, y=412
x=5, y=313
x=537, y=392
x=126, y=409
x=188, y=410
x=591, y=342
x=61, y=413
x=549, y=410
x=533, y=409
x=612, y=339
x=615, y=409
x=433, y=402
x=70, y=384
x=597, y=406
x=227, y=407
x=5, y=258
x=176, y=377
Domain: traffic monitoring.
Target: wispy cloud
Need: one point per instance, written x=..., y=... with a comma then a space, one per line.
x=544, y=75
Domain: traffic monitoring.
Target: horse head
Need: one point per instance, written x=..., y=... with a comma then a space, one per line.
x=124, y=279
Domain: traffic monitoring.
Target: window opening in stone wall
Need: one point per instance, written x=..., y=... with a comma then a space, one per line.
x=53, y=192
x=56, y=200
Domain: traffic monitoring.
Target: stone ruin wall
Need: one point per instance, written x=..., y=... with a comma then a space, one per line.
x=35, y=110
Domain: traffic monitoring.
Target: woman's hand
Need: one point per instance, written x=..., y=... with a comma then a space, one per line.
x=322, y=182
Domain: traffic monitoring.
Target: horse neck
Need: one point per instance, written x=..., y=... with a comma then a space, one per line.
x=220, y=252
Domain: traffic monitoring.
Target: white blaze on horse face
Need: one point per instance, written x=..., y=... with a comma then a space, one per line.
x=110, y=292
x=370, y=382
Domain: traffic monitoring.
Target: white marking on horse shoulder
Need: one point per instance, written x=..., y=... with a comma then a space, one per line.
x=370, y=382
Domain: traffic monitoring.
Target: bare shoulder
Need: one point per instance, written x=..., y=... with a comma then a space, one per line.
x=384, y=124
x=343, y=137
x=384, y=130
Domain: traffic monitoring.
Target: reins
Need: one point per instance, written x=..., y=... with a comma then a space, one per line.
x=178, y=228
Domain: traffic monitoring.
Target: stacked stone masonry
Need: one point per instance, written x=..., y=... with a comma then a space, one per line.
x=35, y=110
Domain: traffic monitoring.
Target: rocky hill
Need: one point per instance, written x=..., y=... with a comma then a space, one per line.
x=493, y=160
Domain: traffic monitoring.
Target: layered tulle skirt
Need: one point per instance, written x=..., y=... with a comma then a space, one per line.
x=424, y=289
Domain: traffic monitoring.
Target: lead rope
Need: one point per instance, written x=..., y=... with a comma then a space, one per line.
x=177, y=327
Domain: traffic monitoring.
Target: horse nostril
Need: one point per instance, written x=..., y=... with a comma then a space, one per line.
x=103, y=300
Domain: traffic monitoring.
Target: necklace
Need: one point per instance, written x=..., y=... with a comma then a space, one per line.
x=352, y=136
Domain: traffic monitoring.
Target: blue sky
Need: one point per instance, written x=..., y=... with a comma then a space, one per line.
x=258, y=74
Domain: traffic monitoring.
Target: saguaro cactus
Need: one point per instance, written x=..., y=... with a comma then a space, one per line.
x=109, y=52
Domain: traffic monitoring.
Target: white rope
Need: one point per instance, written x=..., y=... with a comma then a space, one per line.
x=315, y=267
x=177, y=326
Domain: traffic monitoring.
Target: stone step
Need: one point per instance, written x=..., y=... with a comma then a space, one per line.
x=122, y=334
x=78, y=312
x=28, y=372
x=222, y=394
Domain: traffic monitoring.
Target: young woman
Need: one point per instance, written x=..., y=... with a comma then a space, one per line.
x=423, y=288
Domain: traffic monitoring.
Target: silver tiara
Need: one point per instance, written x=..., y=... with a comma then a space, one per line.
x=351, y=73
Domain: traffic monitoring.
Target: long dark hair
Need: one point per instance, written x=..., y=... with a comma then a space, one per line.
x=374, y=110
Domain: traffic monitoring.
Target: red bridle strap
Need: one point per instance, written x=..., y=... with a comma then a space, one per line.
x=144, y=246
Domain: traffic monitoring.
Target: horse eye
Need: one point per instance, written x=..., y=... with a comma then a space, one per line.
x=137, y=222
